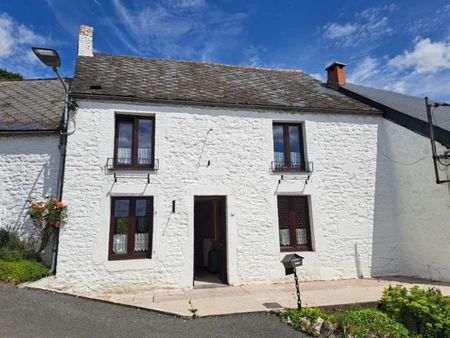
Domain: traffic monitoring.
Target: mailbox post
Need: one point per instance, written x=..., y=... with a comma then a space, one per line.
x=291, y=262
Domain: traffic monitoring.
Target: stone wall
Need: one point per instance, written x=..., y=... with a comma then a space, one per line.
x=28, y=169
x=240, y=150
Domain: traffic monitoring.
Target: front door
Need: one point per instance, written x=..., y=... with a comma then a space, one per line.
x=210, y=239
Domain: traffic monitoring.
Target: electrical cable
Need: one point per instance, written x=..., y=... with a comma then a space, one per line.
x=399, y=162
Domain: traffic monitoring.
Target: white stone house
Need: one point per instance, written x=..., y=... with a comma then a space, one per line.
x=30, y=125
x=180, y=172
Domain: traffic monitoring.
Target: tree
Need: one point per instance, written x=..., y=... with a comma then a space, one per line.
x=7, y=75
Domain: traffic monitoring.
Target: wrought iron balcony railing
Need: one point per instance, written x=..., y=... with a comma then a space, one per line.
x=299, y=167
x=130, y=164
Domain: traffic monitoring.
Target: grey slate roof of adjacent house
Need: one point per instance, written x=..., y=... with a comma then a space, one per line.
x=408, y=111
x=28, y=105
x=129, y=78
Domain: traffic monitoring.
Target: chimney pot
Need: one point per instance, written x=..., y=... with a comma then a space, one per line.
x=85, y=39
x=336, y=74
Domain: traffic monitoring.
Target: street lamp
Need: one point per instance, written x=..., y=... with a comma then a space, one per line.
x=50, y=58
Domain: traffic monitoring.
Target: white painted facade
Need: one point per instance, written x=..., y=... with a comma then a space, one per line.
x=28, y=168
x=359, y=201
x=412, y=212
x=375, y=208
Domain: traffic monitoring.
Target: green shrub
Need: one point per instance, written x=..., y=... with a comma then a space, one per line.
x=365, y=322
x=425, y=312
x=22, y=271
x=13, y=248
x=312, y=314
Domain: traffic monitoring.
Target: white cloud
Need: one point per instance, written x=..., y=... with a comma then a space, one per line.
x=334, y=30
x=15, y=47
x=424, y=71
x=177, y=28
x=317, y=76
x=426, y=57
x=367, y=26
x=365, y=70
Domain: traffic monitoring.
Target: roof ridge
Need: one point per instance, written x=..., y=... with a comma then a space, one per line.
x=299, y=71
x=386, y=90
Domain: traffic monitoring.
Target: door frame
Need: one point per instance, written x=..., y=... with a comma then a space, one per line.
x=225, y=224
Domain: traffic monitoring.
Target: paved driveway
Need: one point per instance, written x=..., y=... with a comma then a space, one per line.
x=34, y=313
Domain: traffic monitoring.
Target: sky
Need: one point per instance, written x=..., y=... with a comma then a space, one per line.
x=402, y=46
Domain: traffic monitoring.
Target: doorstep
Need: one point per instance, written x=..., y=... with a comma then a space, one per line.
x=248, y=298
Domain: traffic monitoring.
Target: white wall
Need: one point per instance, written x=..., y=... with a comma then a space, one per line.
x=412, y=212
x=28, y=168
x=342, y=191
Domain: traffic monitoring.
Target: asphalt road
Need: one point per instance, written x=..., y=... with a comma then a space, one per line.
x=34, y=313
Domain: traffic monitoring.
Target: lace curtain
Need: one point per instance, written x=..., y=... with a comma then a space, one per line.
x=120, y=242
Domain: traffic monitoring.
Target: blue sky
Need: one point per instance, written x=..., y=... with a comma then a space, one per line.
x=402, y=46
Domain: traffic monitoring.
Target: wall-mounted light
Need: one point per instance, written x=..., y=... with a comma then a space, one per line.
x=173, y=206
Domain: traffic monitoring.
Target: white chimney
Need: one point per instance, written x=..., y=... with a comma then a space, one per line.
x=85, y=41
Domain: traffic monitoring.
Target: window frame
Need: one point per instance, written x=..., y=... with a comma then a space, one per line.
x=131, y=228
x=292, y=225
x=134, y=142
x=287, y=153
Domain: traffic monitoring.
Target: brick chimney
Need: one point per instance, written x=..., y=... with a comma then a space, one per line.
x=85, y=41
x=336, y=74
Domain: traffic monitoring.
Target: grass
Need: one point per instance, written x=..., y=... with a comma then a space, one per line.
x=365, y=322
x=22, y=271
x=19, y=261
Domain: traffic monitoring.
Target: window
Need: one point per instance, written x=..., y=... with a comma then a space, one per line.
x=293, y=222
x=131, y=227
x=134, y=142
x=288, y=147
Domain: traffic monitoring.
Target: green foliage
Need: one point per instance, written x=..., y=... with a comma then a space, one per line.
x=366, y=322
x=425, y=312
x=6, y=75
x=13, y=248
x=22, y=271
x=312, y=314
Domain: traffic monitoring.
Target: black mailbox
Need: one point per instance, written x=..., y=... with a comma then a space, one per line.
x=291, y=261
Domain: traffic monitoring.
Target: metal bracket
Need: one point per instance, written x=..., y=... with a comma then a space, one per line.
x=283, y=179
x=116, y=177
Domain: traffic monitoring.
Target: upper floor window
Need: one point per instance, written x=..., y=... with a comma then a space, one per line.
x=131, y=227
x=288, y=147
x=293, y=222
x=134, y=142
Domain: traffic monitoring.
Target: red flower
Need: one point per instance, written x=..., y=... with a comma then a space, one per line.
x=60, y=204
x=53, y=199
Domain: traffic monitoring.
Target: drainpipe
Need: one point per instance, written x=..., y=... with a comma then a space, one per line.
x=63, y=136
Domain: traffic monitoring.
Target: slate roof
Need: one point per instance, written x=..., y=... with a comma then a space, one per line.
x=31, y=104
x=409, y=111
x=129, y=78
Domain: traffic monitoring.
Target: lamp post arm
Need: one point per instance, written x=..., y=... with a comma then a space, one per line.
x=61, y=80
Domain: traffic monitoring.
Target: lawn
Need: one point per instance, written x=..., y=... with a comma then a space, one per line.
x=19, y=261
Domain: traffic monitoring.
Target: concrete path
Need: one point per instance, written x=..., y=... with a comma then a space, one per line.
x=248, y=298
x=28, y=313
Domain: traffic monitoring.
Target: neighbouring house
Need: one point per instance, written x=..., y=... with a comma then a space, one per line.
x=180, y=172
x=30, y=125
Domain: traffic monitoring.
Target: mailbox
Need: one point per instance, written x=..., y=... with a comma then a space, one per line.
x=291, y=262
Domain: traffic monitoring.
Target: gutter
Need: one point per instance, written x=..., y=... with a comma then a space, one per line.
x=31, y=131
x=293, y=109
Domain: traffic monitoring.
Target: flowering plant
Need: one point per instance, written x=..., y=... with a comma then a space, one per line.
x=45, y=216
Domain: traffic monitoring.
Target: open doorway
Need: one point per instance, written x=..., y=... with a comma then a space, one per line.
x=210, y=241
